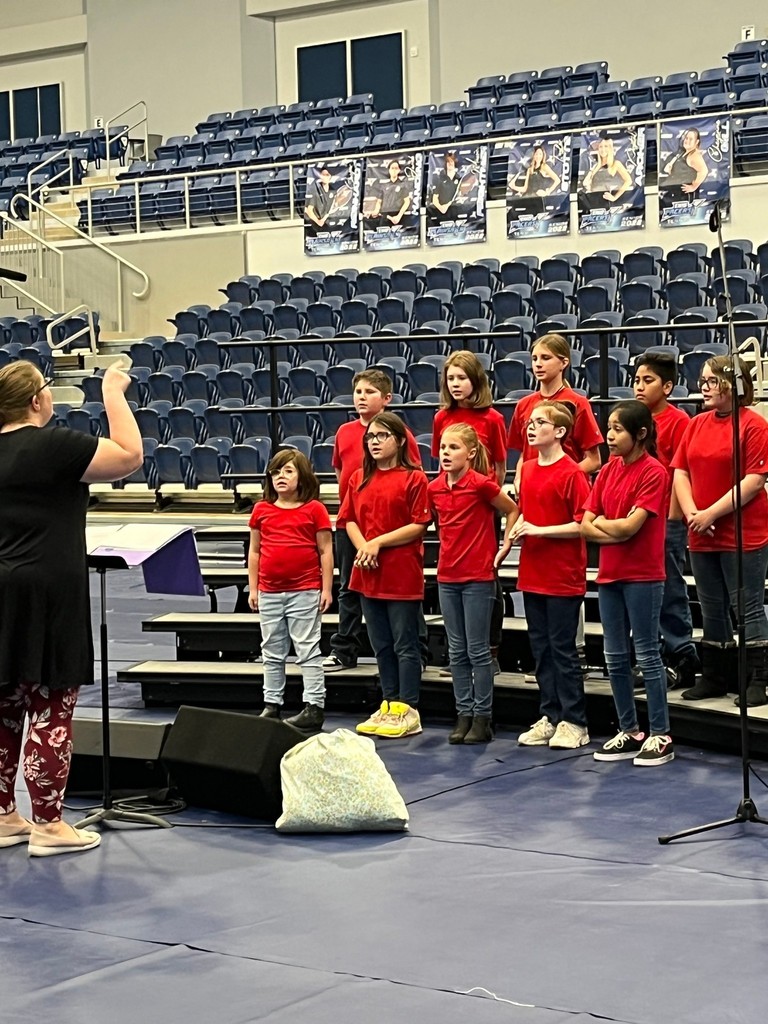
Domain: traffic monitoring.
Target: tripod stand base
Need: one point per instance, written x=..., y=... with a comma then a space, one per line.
x=746, y=811
x=107, y=814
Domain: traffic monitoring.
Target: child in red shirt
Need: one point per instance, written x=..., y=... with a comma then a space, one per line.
x=550, y=358
x=463, y=499
x=704, y=486
x=372, y=393
x=552, y=576
x=290, y=573
x=385, y=513
x=655, y=377
x=466, y=396
x=626, y=515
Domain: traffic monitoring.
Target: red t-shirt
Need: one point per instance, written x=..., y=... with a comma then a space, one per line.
x=706, y=454
x=670, y=427
x=488, y=424
x=289, y=558
x=618, y=489
x=392, y=498
x=551, y=496
x=348, y=451
x=585, y=434
x=466, y=522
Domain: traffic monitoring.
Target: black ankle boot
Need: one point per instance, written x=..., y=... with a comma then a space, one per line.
x=757, y=671
x=460, y=730
x=481, y=731
x=309, y=720
x=270, y=711
x=713, y=674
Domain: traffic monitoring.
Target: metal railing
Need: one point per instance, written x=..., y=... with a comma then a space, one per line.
x=88, y=329
x=125, y=133
x=39, y=260
x=114, y=310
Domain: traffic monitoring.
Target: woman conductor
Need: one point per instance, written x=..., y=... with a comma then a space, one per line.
x=46, y=650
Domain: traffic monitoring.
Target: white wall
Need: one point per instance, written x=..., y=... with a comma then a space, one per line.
x=657, y=37
x=31, y=12
x=357, y=20
x=185, y=58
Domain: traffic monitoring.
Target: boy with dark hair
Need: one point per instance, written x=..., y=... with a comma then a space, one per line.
x=655, y=377
x=372, y=393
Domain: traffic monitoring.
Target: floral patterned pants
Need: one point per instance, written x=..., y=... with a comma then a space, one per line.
x=47, y=750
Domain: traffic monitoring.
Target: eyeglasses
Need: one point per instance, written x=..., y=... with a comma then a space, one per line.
x=540, y=422
x=380, y=437
x=47, y=381
x=710, y=383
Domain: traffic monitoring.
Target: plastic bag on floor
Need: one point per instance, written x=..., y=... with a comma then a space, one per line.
x=336, y=782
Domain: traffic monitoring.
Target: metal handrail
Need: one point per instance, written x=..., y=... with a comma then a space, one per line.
x=51, y=158
x=88, y=329
x=25, y=229
x=120, y=260
x=143, y=120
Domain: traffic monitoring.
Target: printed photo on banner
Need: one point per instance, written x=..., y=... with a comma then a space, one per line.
x=332, y=208
x=611, y=189
x=457, y=189
x=694, y=169
x=539, y=186
x=391, y=201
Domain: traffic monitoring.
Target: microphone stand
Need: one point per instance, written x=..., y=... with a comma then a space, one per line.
x=747, y=809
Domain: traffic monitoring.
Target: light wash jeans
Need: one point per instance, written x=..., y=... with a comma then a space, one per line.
x=467, y=610
x=625, y=608
x=293, y=615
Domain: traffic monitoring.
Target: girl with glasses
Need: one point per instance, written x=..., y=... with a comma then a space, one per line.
x=385, y=513
x=704, y=485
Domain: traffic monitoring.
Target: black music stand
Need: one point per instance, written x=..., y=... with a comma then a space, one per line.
x=108, y=812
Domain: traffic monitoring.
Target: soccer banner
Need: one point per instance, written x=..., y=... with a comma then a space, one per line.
x=611, y=189
x=694, y=169
x=391, y=201
x=332, y=208
x=457, y=189
x=539, y=186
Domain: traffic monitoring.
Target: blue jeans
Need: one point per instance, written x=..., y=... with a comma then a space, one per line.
x=552, y=626
x=467, y=609
x=393, y=629
x=345, y=643
x=715, y=575
x=675, y=618
x=291, y=616
x=633, y=608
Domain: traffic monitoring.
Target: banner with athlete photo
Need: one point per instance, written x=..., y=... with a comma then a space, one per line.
x=694, y=169
x=391, y=201
x=332, y=208
x=611, y=189
x=539, y=187
x=457, y=190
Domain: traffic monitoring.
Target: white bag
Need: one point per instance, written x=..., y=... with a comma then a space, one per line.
x=336, y=782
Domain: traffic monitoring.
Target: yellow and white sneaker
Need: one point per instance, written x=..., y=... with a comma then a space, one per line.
x=369, y=727
x=402, y=720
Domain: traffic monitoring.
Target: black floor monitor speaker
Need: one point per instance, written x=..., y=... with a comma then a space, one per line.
x=135, y=756
x=228, y=761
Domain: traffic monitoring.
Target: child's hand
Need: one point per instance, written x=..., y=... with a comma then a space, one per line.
x=701, y=521
x=253, y=600
x=326, y=600
x=367, y=556
x=523, y=529
x=504, y=550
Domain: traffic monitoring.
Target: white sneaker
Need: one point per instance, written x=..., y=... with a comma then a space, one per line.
x=333, y=664
x=538, y=735
x=569, y=737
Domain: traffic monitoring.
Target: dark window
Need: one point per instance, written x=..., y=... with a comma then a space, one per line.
x=322, y=71
x=50, y=110
x=26, y=123
x=377, y=67
x=5, y=116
